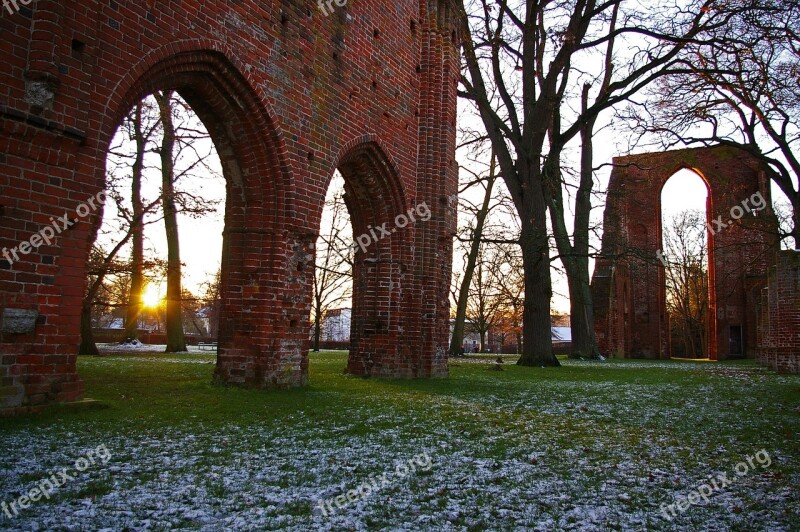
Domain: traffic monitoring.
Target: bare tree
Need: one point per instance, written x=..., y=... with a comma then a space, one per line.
x=135, y=130
x=482, y=302
x=174, y=320
x=738, y=87
x=141, y=135
x=475, y=236
x=509, y=278
x=333, y=271
x=101, y=264
x=686, y=257
x=529, y=73
x=178, y=135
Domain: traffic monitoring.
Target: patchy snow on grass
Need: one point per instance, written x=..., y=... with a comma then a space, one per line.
x=137, y=346
x=585, y=455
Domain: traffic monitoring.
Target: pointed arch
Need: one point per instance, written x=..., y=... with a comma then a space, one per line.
x=245, y=132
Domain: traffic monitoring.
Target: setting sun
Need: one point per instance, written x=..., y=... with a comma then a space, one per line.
x=151, y=296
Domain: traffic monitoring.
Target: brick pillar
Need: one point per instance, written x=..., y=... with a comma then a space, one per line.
x=42, y=77
x=437, y=185
x=263, y=332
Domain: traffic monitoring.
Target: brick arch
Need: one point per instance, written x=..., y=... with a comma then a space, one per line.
x=374, y=198
x=372, y=181
x=257, y=207
x=370, y=164
x=277, y=89
x=668, y=175
x=629, y=271
x=206, y=75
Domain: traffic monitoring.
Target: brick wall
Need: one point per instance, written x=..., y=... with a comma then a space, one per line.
x=779, y=315
x=288, y=95
x=629, y=281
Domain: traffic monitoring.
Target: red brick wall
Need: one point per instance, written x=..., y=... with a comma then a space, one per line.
x=629, y=282
x=288, y=95
x=779, y=315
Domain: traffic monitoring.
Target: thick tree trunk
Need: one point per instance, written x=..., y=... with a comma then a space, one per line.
x=174, y=316
x=457, y=340
x=137, y=253
x=88, y=346
x=796, y=228
x=584, y=342
x=317, y=332
x=537, y=343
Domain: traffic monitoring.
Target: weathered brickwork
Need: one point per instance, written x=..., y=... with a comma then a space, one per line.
x=629, y=284
x=779, y=315
x=288, y=95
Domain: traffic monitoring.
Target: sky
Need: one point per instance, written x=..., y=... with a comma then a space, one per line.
x=200, y=238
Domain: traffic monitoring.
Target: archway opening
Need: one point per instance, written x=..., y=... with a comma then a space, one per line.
x=155, y=264
x=260, y=342
x=367, y=190
x=331, y=305
x=686, y=253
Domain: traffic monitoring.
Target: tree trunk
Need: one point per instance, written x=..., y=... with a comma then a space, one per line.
x=575, y=256
x=796, y=228
x=174, y=318
x=537, y=344
x=137, y=253
x=689, y=332
x=317, y=333
x=584, y=342
x=457, y=340
x=88, y=346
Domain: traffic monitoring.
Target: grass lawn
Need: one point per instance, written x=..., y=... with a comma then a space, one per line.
x=588, y=446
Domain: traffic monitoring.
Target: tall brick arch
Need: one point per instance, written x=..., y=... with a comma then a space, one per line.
x=373, y=197
x=628, y=284
x=288, y=94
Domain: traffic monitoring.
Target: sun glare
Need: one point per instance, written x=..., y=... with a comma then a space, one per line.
x=151, y=297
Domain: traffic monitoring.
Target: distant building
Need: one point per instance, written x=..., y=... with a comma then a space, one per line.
x=336, y=328
x=561, y=337
x=115, y=323
x=336, y=325
x=205, y=316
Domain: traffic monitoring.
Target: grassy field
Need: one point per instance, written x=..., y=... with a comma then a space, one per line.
x=588, y=446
